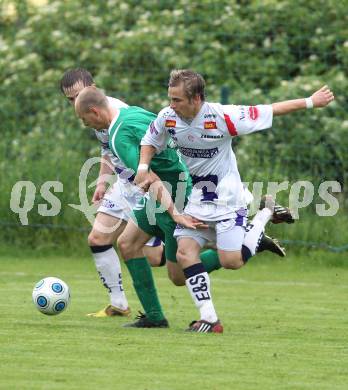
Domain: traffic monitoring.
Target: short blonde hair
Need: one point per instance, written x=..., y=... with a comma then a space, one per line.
x=193, y=82
x=91, y=97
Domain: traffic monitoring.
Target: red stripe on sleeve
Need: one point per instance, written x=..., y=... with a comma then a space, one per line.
x=231, y=129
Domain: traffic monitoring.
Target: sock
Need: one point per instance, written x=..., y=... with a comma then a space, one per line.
x=144, y=286
x=210, y=260
x=254, y=232
x=198, y=283
x=108, y=266
x=163, y=258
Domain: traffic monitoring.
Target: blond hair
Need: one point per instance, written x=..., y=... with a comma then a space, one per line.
x=193, y=82
x=91, y=97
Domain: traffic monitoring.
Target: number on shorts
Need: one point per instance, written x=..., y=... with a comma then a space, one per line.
x=208, y=186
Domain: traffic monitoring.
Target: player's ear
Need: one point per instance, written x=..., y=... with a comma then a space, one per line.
x=197, y=99
x=94, y=110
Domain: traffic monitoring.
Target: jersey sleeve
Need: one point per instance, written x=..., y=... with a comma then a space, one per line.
x=103, y=138
x=247, y=119
x=156, y=134
x=126, y=146
x=105, y=151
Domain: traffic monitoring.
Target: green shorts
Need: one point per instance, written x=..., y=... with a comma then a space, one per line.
x=157, y=224
x=151, y=218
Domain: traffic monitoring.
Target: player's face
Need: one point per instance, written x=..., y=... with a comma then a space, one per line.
x=72, y=92
x=181, y=104
x=93, y=118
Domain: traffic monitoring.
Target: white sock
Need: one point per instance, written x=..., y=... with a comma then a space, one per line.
x=255, y=229
x=199, y=287
x=109, y=270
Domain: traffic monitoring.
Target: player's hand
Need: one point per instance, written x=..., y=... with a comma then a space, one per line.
x=189, y=222
x=322, y=97
x=99, y=193
x=144, y=179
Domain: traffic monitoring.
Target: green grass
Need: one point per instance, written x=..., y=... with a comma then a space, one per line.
x=285, y=327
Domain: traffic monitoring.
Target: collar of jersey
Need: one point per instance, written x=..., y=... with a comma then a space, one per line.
x=114, y=120
x=199, y=114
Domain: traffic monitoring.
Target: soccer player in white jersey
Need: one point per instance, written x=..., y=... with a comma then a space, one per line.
x=203, y=133
x=114, y=210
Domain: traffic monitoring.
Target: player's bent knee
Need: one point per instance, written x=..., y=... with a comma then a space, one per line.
x=129, y=249
x=234, y=261
x=97, y=239
x=124, y=247
x=182, y=256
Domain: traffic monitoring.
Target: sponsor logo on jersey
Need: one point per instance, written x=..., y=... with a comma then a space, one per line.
x=166, y=114
x=253, y=113
x=170, y=123
x=172, y=133
x=242, y=113
x=209, y=116
x=210, y=125
x=199, y=153
x=153, y=129
x=108, y=204
x=212, y=136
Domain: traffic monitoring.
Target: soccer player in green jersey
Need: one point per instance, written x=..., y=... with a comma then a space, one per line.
x=127, y=126
x=113, y=205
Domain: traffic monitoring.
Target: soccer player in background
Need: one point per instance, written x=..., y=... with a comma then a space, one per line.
x=170, y=179
x=203, y=133
x=114, y=209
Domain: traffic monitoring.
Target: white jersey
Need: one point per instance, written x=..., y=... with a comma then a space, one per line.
x=123, y=196
x=103, y=138
x=205, y=145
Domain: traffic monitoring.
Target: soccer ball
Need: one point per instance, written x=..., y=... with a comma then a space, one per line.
x=51, y=296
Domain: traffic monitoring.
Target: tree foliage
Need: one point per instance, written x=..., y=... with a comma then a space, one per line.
x=262, y=51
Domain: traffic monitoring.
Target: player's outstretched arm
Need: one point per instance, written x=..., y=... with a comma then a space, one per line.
x=142, y=178
x=105, y=172
x=319, y=99
x=149, y=181
x=159, y=192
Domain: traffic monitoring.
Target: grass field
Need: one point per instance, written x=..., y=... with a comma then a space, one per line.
x=285, y=327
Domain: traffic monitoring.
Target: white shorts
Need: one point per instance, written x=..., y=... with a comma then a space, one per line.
x=119, y=202
x=217, y=210
x=227, y=234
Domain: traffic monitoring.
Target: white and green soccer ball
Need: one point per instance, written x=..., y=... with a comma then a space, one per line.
x=51, y=296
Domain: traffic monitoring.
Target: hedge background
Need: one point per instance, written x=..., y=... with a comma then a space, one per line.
x=248, y=51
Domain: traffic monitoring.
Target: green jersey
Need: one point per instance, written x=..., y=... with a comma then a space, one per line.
x=125, y=134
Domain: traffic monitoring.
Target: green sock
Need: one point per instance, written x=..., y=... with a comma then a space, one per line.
x=210, y=260
x=144, y=286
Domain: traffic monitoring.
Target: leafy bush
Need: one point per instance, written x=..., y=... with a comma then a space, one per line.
x=259, y=51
